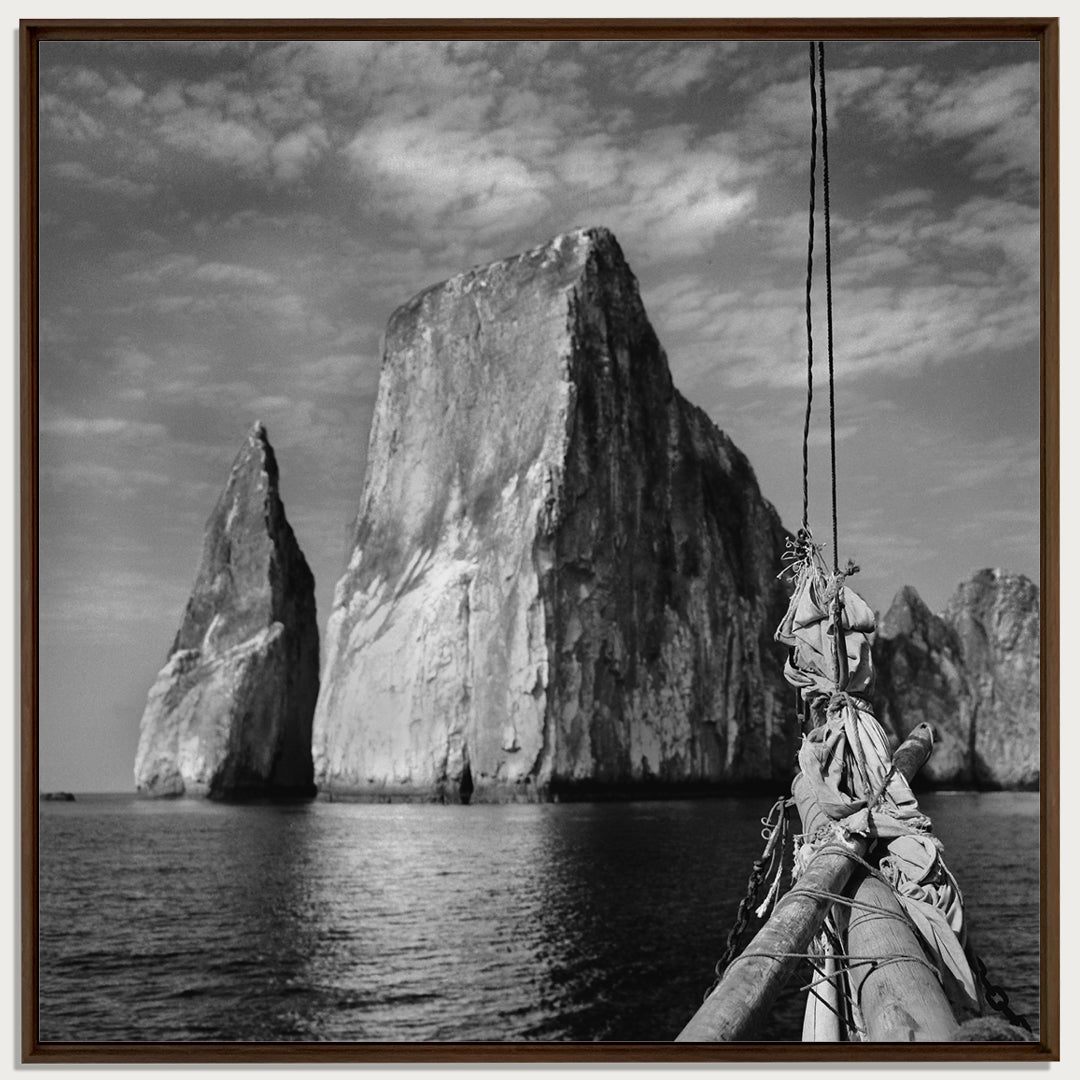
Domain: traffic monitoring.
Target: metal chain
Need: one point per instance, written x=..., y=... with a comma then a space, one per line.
x=746, y=906
x=772, y=859
x=997, y=998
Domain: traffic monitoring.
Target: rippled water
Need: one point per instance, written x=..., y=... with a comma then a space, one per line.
x=330, y=921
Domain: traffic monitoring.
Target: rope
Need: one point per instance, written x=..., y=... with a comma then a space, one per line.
x=771, y=863
x=851, y=959
x=809, y=288
x=828, y=300
x=817, y=66
x=772, y=858
x=840, y=984
x=995, y=995
x=775, y=833
x=858, y=905
x=901, y=914
x=821, y=1001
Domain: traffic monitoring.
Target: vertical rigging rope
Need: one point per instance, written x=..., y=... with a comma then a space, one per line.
x=817, y=67
x=828, y=301
x=809, y=284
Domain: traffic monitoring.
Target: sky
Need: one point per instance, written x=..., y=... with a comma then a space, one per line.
x=225, y=229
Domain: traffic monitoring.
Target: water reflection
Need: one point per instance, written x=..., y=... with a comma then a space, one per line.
x=355, y=922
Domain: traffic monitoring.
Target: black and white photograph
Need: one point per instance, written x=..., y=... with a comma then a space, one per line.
x=538, y=541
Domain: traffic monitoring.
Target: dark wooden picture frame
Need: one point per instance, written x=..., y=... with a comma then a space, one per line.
x=1042, y=30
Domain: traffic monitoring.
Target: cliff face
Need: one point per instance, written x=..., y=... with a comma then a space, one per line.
x=973, y=673
x=996, y=618
x=563, y=575
x=230, y=713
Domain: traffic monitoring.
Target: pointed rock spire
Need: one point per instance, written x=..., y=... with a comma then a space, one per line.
x=230, y=713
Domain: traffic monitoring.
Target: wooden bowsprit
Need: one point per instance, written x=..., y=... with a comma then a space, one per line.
x=740, y=1005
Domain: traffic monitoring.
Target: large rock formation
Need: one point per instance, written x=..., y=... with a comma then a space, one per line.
x=973, y=673
x=230, y=713
x=563, y=575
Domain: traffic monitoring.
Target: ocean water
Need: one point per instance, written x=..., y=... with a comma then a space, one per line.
x=191, y=920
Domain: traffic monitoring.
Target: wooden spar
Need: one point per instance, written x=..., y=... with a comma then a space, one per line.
x=901, y=1000
x=752, y=982
x=821, y=1020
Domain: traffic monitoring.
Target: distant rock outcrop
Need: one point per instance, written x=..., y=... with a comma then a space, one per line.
x=563, y=575
x=972, y=673
x=230, y=713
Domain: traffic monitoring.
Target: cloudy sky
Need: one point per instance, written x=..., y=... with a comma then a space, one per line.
x=226, y=228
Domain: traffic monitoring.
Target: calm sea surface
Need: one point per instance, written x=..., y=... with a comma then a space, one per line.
x=330, y=921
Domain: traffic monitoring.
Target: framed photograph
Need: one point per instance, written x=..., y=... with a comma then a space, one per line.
x=532, y=540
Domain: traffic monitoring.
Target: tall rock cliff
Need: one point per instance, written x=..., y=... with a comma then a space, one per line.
x=973, y=673
x=230, y=713
x=563, y=575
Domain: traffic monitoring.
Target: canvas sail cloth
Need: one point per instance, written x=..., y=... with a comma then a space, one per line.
x=846, y=760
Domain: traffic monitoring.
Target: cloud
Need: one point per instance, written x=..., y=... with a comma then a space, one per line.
x=663, y=191
x=82, y=81
x=341, y=373
x=983, y=225
x=688, y=304
x=914, y=288
x=66, y=426
x=222, y=141
x=904, y=199
x=125, y=95
x=132, y=362
x=77, y=172
x=169, y=99
x=120, y=482
x=1015, y=530
x=674, y=194
x=155, y=269
x=460, y=146
x=274, y=299
x=67, y=121
x=992, y=114
x=470, y=145
x=996, y=109
x=776, y=125
x=108, y=601
x=294, y=154
x=664, y=69
x=263, y=133
x=401, y=78
x=231, y=274
x=994, y=462
x=423, y=171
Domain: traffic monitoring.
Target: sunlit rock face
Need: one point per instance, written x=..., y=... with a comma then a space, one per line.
x=973, y=674
x=563, y=575
x=230, y=713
